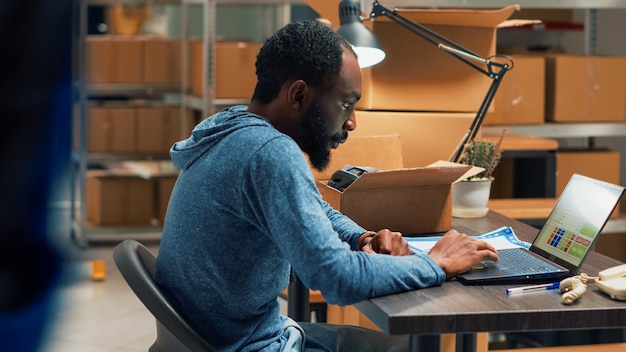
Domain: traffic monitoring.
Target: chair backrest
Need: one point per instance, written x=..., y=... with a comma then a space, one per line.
x=137, y=265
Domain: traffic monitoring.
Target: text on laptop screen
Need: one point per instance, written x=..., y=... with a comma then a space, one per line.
x=577, y=218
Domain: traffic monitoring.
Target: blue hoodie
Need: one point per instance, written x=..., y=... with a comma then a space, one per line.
x=244, y=210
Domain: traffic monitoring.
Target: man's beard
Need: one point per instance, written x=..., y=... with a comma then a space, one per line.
x=317, y=144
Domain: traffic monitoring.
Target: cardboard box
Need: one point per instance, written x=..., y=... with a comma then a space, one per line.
x=119, y=200
x=412, y=201
x=114, y=59
x=133, y=60
x=127, y=59
x=521, y=96
x=425, y=137
x=582, y=88
x=327, y=10
x=99, y=59
x=157, y=129
x=599, y=164
x=409, y=200
x=417, y=76
x=161, y=60
x=111, y=129
x=235, y=73
x=383, y=152
x=612, y=245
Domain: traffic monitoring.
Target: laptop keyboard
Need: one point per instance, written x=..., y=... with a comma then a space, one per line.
x=519, y=261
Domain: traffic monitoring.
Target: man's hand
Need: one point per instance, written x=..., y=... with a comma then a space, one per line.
x=385, y=242
x=457, y=252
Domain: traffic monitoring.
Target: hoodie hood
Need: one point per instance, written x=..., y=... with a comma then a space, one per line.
x=210, y=131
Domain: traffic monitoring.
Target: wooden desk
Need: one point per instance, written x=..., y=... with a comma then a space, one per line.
x=465, y=310
x=523, y=208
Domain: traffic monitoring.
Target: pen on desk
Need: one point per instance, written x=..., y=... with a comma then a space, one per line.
x=551, y=286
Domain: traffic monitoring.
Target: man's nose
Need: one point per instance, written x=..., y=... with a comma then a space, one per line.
x=350, y=124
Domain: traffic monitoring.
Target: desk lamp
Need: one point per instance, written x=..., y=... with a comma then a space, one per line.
x=353, y=30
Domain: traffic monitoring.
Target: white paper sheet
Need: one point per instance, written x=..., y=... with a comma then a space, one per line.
x=501, y=238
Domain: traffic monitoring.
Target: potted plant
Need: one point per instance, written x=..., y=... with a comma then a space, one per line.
x=482, y=153
x=470, y=196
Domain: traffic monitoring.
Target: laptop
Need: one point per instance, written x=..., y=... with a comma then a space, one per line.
x=558, y=251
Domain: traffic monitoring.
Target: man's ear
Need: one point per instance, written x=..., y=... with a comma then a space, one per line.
x=297, y=94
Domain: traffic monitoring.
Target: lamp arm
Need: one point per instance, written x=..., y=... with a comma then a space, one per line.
x=478, y=119
x=443, y=43
x=494, y=70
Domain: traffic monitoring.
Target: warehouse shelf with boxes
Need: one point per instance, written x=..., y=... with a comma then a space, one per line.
x=145, y=75
x=128, y=107
x=521, y=100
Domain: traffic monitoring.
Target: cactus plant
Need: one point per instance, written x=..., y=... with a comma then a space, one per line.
x=482, y=153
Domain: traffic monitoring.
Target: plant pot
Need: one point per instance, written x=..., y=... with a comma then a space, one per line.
x=470, y=197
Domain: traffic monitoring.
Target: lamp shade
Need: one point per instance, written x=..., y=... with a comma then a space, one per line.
x=367, y=47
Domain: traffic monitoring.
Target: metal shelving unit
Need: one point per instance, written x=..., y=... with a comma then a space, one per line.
x=149, y=95
x=564, y=130
x=170, y=95
x=208, y=103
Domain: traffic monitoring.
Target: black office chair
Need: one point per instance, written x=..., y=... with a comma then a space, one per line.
x=136, y=263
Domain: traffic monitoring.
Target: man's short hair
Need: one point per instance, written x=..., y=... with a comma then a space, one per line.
x=307, y=50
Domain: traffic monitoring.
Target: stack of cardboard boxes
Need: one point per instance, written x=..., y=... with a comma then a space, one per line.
x=120, y=197
x=130, y=193
x=133, y=60
x=562, y=88
x=234, y=67
x=145, y=130
x=577, y=89
x=428, y=99
x=417, y=82
x=422, y=93
x=123, y=59
x=410, y=200
x=134, y=130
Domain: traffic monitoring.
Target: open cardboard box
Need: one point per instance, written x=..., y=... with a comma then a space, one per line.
x=426, y=136
x=418, y=76
x=413, y=201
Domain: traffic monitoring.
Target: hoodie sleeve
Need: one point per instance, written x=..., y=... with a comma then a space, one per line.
x=283, y=198
x=346, y=228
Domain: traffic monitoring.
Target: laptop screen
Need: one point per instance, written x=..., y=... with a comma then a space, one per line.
x=577, y=219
